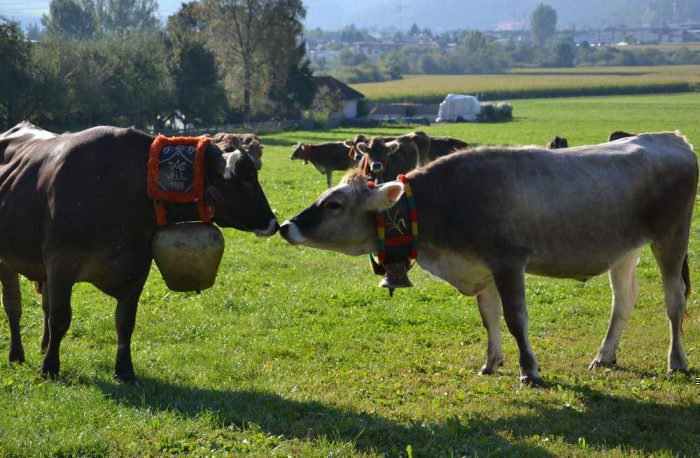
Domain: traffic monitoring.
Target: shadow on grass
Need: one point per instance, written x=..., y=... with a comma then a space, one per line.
x=605, y=422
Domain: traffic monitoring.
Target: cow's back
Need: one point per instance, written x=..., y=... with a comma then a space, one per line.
x=569, y=211
x=72, y=193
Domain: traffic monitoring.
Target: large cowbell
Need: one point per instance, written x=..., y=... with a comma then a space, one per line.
x=395, y=274
x=395, y=247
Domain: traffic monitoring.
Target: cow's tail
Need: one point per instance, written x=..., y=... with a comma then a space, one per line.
x=685, y=273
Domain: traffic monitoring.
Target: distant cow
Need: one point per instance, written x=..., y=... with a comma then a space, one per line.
x=557, y=143
x=618, y=134
x=326, y=157
x=488, y=216
x=250, y=143
x=74, y=208
x=421, y=139
x=384, y=158
x=442, y=146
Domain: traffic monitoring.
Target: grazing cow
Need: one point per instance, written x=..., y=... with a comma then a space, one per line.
x=326, y=157
x=384, y=159
x=74, y=208
x=557, y=143
x=488, y=216
x=442, y=146
x=618, y=134
x=422, y=140
x=249, y=143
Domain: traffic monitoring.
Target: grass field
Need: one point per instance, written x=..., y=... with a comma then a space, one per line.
x=297, y=352
x=523, y=82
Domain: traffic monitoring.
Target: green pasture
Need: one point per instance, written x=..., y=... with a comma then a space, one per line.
x=296, y=352
x=530, y=83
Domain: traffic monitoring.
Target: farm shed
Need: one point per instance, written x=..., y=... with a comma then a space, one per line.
x=348, y=95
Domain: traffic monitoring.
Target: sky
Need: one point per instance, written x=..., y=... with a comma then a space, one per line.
x=439, y=15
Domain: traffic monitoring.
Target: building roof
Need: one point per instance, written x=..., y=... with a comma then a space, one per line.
x=335, y=85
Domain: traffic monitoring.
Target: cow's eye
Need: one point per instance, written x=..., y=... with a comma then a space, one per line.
x=332, y=205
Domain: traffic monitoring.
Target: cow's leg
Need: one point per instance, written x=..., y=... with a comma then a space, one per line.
x=510, y=281
x=58, y=287
x=490, y=309
x=125, y=319
x=45, y=307
x=674, y=274
x=623, y=281
x=12, y=302
x=329, y=178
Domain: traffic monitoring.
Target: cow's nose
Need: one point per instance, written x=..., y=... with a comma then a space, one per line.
x=376, y=167
x=284, y=229
x=290, y=232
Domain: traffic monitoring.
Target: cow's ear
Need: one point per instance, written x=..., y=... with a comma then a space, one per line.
x=230, y=159
x=392, y=147
x=214, y=159
x=384, y=196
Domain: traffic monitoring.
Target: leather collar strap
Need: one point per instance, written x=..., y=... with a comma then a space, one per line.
x=397, y=234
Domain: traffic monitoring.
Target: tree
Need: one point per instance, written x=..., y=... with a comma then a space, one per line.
x=255, y=55
x=563, y=54
x=120, y=15
x=15, y=77
x=71, y=19
x=198, y=89
x=543, y=23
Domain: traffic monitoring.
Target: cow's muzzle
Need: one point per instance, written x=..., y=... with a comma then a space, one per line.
x=376, y=167
x=290, y=232
x=271, y=228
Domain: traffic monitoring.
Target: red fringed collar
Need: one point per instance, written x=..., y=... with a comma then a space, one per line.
x=162, y=189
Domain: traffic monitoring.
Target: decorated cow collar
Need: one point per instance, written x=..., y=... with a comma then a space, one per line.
x=397, y=240
x=176, y=179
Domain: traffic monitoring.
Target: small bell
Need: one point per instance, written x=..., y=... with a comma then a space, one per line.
x=396, y=276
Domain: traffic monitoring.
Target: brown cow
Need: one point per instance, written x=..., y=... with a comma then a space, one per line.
x=422, y=140
x=74, y=208
x=490, y=215
x=442, y=146
x=250, y=143
x=326, y=157
x=384, y=158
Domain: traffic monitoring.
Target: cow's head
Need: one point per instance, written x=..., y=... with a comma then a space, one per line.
x=255, y=151
x=342, y=218
x=376, y=155
x=233, y=187
x=351, y=145
x=299, y=152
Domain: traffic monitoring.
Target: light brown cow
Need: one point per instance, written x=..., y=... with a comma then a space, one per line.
x=489, y=215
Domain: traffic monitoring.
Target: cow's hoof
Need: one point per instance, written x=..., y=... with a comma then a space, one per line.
x=126, y=377
x=532, y=380
x=678, y=370
x=49, y=371
x=17, y=356
x=600, y=362
x=488, y=371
